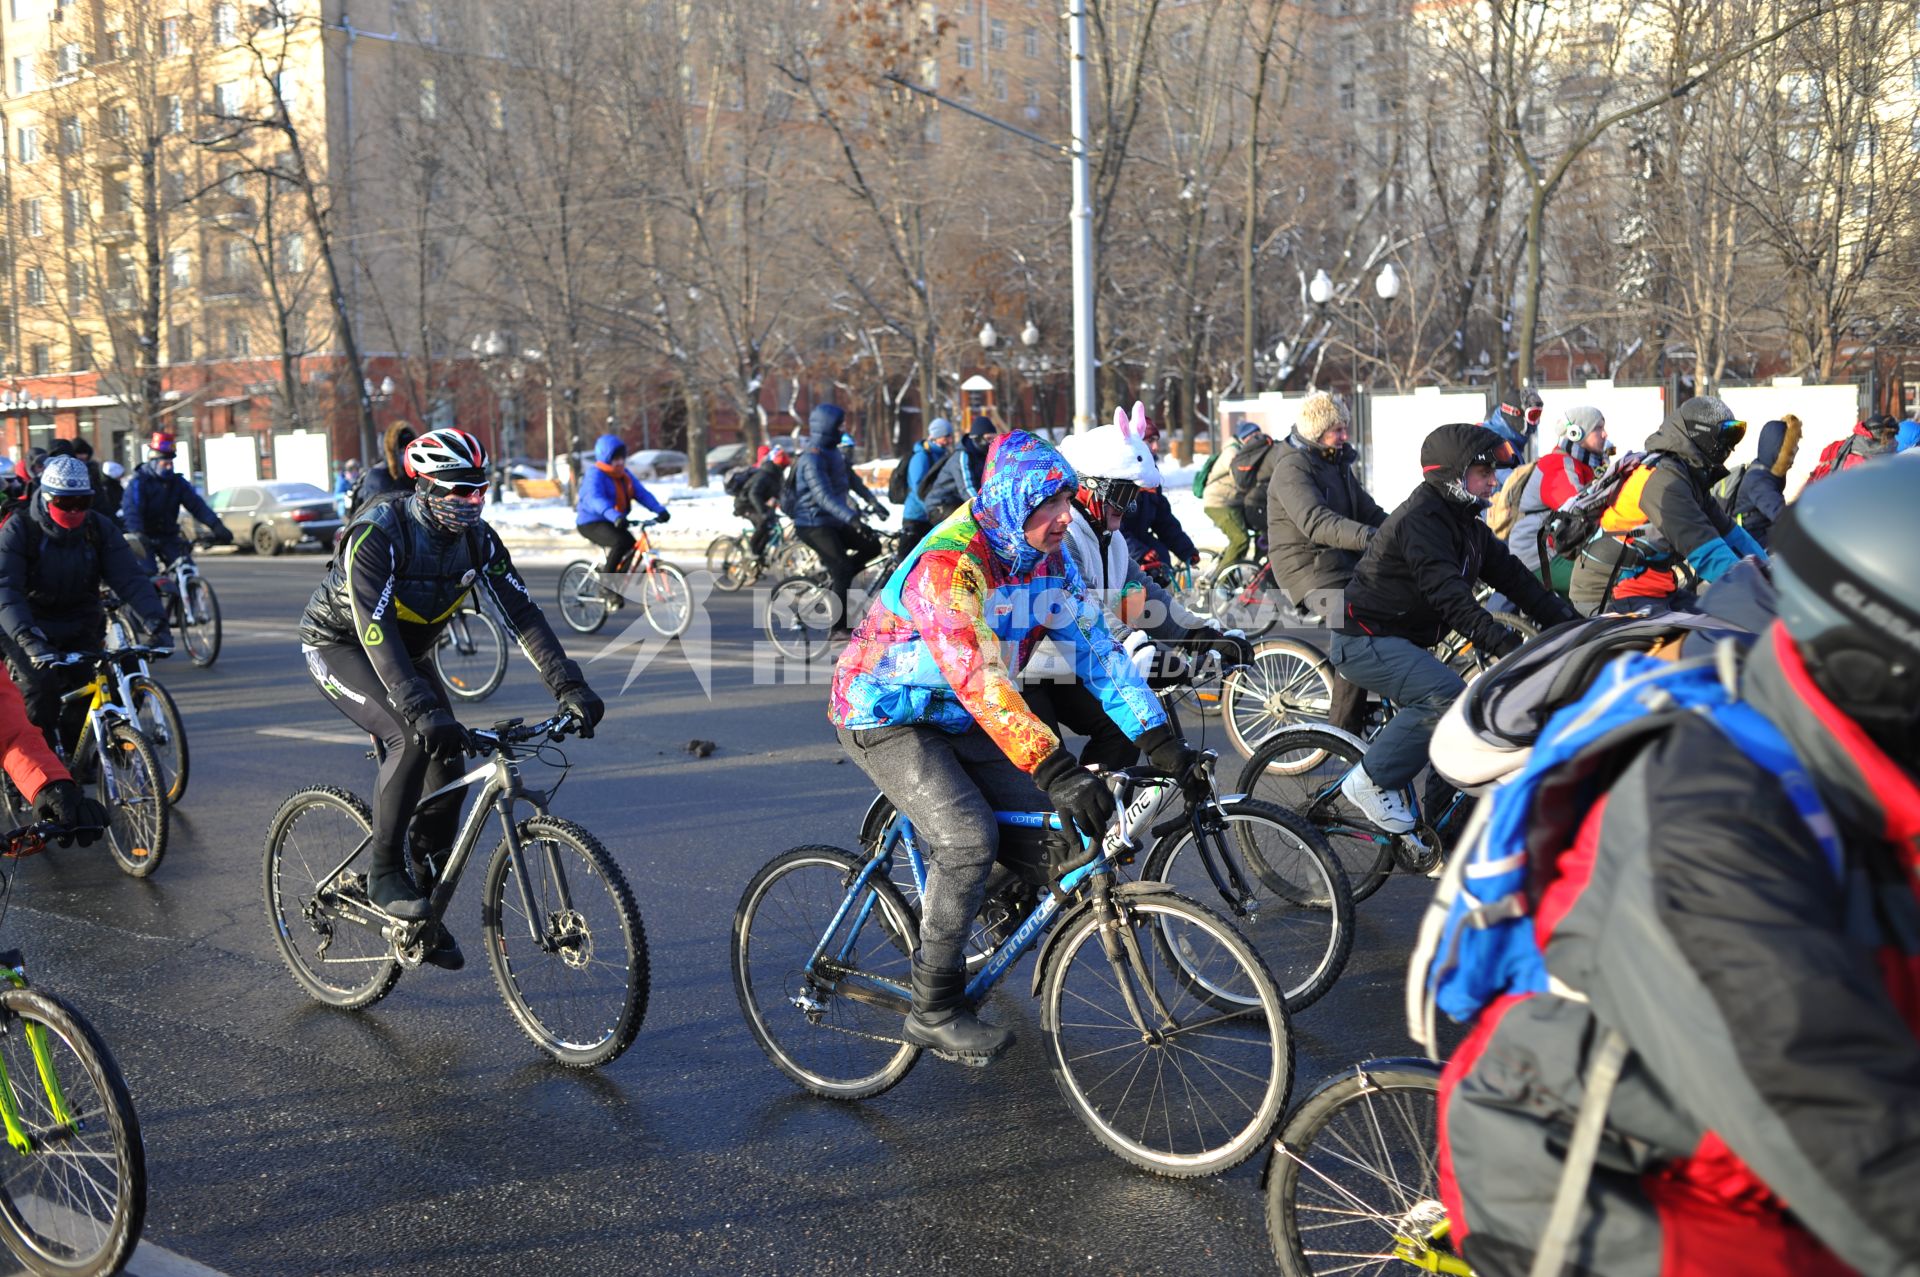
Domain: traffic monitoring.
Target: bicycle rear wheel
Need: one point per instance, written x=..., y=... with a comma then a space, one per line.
x=1236, y=603
x=134, y=792
x=471, y=655
x=831, y=1024
x=1195, y=1092
x=1290, y=681
x=795, y=557
x=717, y=551
x=158, y=719
x=800, y=618
x=200, y=622
x=336, y=959
x=1300, y=769
x=1296, y=906
x=665, y=598
x=76, y=1202
x=582, y=606
x=1354, y=1184
x=737, y=566
x=566, y=943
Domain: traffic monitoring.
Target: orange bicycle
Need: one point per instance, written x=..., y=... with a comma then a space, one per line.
x=587, y=594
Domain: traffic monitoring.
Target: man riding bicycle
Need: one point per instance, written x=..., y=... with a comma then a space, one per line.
x=369, y=633
x=150, y=509
x=607, y=491
x=1414, y=583
x=924, y=700
x=1746, y=922
x=823, y=512
x=54, y=557
x=760, y=498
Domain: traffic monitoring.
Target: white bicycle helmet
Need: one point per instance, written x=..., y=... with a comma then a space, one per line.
x=447, y=455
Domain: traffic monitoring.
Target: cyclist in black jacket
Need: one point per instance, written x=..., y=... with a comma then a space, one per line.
x=762, y=496
x=1414, y=583
x=369, y=632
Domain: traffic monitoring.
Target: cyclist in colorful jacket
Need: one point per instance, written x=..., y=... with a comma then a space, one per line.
x=1764, y=974
x=607, y=491
x=925, y=700
x=369, y=632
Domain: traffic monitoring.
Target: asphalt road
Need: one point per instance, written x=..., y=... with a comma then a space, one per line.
x=428, y=1135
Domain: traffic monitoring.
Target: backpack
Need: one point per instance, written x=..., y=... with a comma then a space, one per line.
x=1505, y=510
x=1833, y=458
x=1578, y=519
x=1478, y=940
x=934, y=471
x=1726, y=493
x=897, y=482
x=1201, y=475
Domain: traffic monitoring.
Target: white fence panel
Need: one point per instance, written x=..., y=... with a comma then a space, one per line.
x=231, y=460
x=300, y=456
x=1632, y=412
x=1390, y=464
x=1826, y=413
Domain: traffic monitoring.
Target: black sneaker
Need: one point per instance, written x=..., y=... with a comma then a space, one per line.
x=444, y=951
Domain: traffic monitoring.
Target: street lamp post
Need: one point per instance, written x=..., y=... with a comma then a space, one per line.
x=1386, y=286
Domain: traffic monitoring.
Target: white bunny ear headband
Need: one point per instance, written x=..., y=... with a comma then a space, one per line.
x=1139, y=423
x=1120, y=420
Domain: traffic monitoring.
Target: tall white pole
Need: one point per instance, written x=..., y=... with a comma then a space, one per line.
x=1085, y=405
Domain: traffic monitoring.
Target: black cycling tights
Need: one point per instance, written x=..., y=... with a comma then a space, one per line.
x=611, y=537
x=346, y=678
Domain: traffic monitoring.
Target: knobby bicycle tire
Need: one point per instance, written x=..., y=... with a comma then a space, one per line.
x=1273, y=775
x=472, y=628
x=569, y=939
x=137, y=811
x=834, y=1044
x=116, y=1176
x=1355, y=1170
x=300, y=916
x=1302, y=906
x=1266, y=1036
x=165, y=731
x=201, y=637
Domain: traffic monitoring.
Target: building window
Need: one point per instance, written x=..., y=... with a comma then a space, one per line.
x=286, y=90
x=116, y=195
x=997, y=35
x=1032, y=93
x=963, y=51
x=36, y=285
x=429, y=99
x=226, y=98
x=180, y=344
x=32, y=217
x=998, y=79
x=73, y=135
x=22, y=74
x=297, y=331
x=29, y=149
x=169, y=37
x=69, y=58
x=1346, y=95
x=120, y=121
x=82, y=352
x=173, y=188
x=239, y=343
x=236, y=260
x=173, y=114
x=116, y=45
x=77, y=290
x=180, y=268
x=232, y=178
x=1349, y=195
x=40, y=359
x=1183, y=42
x=225, y=24
x=293, y=253
x=1030, y=40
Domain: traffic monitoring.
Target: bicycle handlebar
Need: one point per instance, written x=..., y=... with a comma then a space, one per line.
x=118, y=654
x=514, y=732
x=31, y=840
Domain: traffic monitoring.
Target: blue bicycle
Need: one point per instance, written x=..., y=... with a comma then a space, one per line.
x=1164, y=1029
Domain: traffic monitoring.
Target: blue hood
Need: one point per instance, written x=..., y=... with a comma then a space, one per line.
x=1023, y=471
x=1908, y=435
x=605, y=446
x=1767, y=447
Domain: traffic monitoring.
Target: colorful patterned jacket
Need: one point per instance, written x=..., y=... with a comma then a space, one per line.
x=934, y=647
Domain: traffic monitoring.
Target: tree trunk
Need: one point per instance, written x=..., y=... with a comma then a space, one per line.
x=696, y=406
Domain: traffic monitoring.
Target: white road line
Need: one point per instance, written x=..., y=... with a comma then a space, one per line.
x=307, y=733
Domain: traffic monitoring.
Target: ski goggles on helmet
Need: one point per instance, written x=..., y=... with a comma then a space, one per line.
x=1117, y=495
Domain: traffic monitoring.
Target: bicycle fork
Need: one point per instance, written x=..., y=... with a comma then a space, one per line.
x=17, y=1137
x=545, y=938
x=1129, y=965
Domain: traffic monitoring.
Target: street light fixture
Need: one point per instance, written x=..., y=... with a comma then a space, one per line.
x=1030, y=335
x=1321, y=288
x=1387, y=283
x=989, y=336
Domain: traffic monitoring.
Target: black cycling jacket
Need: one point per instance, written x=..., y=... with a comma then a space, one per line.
x=394, y=586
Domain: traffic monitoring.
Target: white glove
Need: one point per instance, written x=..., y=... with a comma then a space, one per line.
x=1141, y=653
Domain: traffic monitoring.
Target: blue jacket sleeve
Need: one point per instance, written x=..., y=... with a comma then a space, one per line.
x=596, y=500
x=196, y=504
x=816, y=490
x=1743, y=543
x=1770, y=501
x=1713, y=559
x=647, y=499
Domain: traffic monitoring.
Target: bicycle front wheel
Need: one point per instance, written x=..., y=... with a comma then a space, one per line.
x=200, y=622
x=1279, y=884
x=565, y=941
x=796, y=558
x=158, y=719
x=134, y=792
x=75, y=1202
x=1289, y=682
x=582, y=606
x=717, y=551
x=665, y=598
x=827, y=1009
x=1354, y=1186
x=800, y=618
x=1196, y=1088
x=736, y=566
x=315, y=910
x=471, y=655
x=1300, y=769
x=1237, y=602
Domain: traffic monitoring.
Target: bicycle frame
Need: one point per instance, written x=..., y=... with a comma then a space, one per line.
x=13, y=971
x=101, y=712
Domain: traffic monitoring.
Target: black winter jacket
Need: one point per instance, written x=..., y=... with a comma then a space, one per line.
x=763, y=487
x=50, y=579
x=824, y=485
x=1416, y=579
x=960, y=473
x=1150, y=526
x=396, y=582
x=1252, y=476
x=1319, y=519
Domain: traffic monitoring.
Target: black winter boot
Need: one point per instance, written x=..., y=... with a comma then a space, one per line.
x=943, y=1022
x=389, y=888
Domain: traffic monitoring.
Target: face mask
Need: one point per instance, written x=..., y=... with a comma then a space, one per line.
x=451, y=514
x=68, y=519
x=163, y=465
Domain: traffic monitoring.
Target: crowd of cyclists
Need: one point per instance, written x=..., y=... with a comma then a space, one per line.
x=1753, y=951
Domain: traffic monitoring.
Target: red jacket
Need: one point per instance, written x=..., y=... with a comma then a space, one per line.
x=29, y=761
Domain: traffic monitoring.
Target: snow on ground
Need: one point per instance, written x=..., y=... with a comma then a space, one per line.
x=701, y=514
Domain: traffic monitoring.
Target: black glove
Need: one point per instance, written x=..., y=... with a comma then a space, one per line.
x=61, y=803
x=1168, y=753
x=36, y=646
x=223, y=535
x=1509, y=640
x=1230, y=645
x=440, y=734
x=1081, y=798
x=661, y=517
x=578, y=699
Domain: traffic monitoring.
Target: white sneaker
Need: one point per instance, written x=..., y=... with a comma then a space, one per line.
x=1386, y=808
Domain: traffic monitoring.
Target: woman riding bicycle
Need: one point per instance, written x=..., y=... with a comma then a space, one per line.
x=369, y=633
x=607, y=491
x=924, y=700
